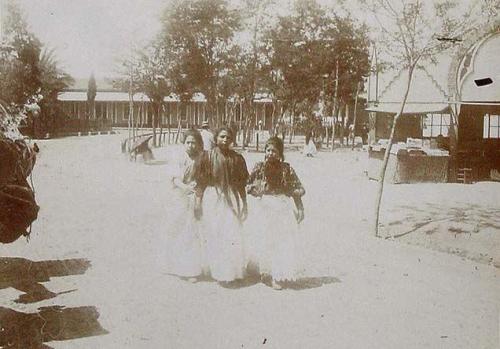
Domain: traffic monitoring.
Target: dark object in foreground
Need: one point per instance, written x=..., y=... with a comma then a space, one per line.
x=54, y=323
x=18, y=208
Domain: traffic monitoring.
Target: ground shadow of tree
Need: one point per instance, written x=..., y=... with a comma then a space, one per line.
x=30, y=330
x=298, y=285
x=481, y=217
x=253, y=277
x=26, y=276
x=55, y=323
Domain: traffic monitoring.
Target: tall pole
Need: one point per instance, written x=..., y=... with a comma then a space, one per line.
x=1, y=20
x=376, y=72
x=335, y=103
x=355, y=115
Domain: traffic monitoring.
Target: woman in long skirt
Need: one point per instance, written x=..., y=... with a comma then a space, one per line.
x=186, y=250
x=278, y=212
x=310, y=147
x=226, y=208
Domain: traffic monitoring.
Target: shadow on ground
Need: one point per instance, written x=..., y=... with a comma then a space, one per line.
x=469, y=231
x=54, y=323
x=26, y=276
x=253, y=278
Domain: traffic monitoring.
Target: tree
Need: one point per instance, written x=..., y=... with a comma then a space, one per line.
x=243, y=76
x=412, y=32
x=53, y=81
x=310, y=43
x=91, y=94
x=200, y=35
x=19, y=57
x=30, y=78
x=149, y=71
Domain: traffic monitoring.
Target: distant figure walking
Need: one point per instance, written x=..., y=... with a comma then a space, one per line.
x=351, y=136
x=273, y=241
x=310, y=148
x=207, y=136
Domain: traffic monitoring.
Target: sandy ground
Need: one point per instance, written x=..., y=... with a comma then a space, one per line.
x=360, y=291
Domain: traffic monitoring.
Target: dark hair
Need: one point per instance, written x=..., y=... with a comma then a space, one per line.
x=223, y=128
x=195, y=134
x=278, y=143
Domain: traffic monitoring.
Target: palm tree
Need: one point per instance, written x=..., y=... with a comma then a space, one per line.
x=53, y=81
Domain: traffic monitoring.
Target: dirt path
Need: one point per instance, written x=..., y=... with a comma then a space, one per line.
x=361, y=292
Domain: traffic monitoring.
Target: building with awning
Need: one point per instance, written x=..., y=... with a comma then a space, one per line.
x=426, y=113
x=463, y=84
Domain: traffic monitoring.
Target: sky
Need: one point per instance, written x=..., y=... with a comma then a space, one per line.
x=91, y=35
x=94, y=35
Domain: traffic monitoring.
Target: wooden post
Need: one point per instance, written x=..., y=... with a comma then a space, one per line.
x=335, y=103
x=355, y=115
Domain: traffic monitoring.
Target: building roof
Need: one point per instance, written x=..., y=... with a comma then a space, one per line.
x=101, y=96
x=117, y=96
x=428, y=88
x=478, y=76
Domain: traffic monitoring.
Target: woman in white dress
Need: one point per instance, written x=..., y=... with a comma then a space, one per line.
x=273, y=240
x=186, y=250
x=310, y=148
x=225, y=206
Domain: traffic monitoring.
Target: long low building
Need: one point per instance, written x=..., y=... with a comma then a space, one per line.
x=112, y=108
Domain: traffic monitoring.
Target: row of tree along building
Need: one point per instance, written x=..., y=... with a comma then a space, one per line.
x=112, y=108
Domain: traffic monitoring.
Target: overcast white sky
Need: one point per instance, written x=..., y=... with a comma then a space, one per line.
x=91, y=35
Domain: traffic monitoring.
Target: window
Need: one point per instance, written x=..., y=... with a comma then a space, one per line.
x=435, y=125
x=491, y=126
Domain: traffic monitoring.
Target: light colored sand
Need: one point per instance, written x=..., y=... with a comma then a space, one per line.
x=96, y=204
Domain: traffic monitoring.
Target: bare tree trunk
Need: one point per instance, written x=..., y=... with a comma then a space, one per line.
x=131, y=134
x=160, y=118
x=169, y=125
x=355, y=116
x=335, y=104
x=380, y=190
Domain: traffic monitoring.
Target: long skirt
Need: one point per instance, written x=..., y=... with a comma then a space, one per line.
x=310, y=149
x=272, y=237
x=223, y=238
x=186, y=250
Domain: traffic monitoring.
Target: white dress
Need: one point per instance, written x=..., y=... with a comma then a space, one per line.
x=272, y=237
x=223, y=238
x=222, y=229
x=186, y=250
x=310, y=148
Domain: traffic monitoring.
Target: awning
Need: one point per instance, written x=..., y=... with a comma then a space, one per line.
x=410, y=108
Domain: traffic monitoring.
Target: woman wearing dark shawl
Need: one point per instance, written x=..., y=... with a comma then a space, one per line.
x=274, y=236
x=226, y=208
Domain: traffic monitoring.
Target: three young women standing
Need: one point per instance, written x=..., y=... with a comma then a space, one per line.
x=219, y=179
